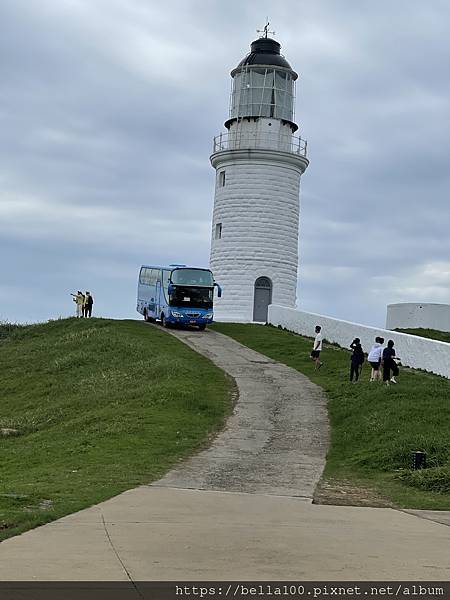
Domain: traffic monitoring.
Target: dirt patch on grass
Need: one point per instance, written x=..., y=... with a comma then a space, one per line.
x=345, y=493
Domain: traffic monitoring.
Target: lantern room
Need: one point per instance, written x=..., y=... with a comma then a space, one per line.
x=263, y=86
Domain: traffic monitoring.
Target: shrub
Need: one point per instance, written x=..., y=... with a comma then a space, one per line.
x=436, y=479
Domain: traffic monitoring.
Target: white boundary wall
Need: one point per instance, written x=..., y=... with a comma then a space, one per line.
x=414, y=351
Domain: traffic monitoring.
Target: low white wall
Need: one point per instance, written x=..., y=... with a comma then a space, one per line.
x=414, y=351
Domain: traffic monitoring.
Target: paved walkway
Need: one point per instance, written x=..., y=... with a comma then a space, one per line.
x=185, y=527
x=276, y=440
x=152, y=533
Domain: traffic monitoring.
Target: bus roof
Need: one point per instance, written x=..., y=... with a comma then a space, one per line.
x=172, y=267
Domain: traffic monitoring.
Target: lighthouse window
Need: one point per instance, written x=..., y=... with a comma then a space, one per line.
x=263, y=92
x=218, y=231
x=282, y=99
x=222, y=178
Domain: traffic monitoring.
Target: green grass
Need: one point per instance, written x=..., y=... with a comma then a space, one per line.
x=7, y=329
x=442, y=336
x=99, y=407
x=374, y=428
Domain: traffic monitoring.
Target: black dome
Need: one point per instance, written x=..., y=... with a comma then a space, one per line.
x=265, y=51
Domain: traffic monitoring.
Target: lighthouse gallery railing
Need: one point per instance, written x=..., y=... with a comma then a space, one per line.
x=263, y=140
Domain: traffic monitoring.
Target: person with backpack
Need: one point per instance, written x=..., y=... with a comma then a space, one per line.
x=357, y=359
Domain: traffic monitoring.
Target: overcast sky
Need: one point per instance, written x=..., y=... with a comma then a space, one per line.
x=107, y=113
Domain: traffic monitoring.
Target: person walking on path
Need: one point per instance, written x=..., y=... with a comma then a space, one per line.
x=374, y=358
x=88, y=302
x=317, y=347
x=78, y=298
x=389, y=364
x=357, y=359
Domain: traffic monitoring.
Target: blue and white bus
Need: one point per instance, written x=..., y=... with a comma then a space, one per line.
x=176, y=294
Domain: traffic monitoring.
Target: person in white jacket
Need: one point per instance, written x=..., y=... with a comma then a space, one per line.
x=374, y=358
x=78, y=298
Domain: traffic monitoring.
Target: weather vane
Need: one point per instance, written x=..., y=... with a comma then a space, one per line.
x=265, y=31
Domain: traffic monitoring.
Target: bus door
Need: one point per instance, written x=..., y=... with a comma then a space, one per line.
x=151, y=289
x=158, y=297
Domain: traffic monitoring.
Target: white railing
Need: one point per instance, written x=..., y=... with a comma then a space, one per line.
x=267, y=141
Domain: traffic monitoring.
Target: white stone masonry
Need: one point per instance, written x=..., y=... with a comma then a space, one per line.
x=258, y=210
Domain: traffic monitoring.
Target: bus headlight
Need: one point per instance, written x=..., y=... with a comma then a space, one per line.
x=208, y=316
x=176, y=314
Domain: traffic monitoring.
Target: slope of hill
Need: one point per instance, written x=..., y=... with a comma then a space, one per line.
x=92, y=407
x=374, y=428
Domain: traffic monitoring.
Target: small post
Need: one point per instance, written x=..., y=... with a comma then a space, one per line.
x=418, y=460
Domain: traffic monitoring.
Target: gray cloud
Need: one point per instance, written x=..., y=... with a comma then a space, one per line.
x=107, y=112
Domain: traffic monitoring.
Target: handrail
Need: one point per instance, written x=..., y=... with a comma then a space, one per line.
x=262, y=140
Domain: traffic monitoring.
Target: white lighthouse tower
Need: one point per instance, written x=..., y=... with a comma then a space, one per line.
x=258, y=163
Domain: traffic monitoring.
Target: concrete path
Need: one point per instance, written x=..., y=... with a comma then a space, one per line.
x=152, y=533
x=272, y=452
x=276, y=440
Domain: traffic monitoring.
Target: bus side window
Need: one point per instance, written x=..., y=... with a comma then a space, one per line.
x=145, y=276
x=153, y=276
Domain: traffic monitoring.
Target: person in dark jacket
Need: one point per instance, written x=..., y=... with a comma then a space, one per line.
x=389, y=364
x=357, y=359
x=88, y=302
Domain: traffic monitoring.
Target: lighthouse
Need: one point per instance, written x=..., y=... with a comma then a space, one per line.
x=258, y=162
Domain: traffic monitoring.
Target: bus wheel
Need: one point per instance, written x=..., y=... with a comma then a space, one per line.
x=202, y=327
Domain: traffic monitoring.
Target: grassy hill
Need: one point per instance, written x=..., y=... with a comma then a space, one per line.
x=374, y=428
x=434, y=334
x=92, y=407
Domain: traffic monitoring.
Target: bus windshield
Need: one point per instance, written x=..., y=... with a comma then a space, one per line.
x=195, y=297
x=195, y=277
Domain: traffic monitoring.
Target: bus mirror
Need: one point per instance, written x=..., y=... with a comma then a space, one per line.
x=219, y=290
x=170, y=289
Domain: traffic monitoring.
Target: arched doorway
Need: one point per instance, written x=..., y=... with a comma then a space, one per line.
x=262, y=299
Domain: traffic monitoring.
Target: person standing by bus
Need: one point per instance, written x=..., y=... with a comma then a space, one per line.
x=88, y=302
